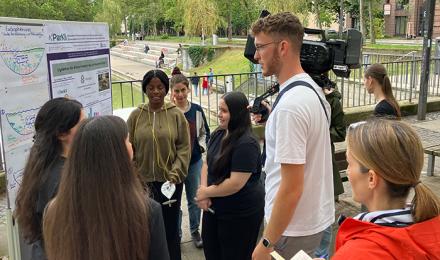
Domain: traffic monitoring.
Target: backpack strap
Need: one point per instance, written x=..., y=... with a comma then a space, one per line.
x=299, y=83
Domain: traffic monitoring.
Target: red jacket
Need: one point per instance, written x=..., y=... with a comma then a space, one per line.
x=364, y=240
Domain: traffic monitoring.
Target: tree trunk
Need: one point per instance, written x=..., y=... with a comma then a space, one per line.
x=361, y=17
x=372, y=32
x=341, y=17
x=318, y=18
x=230, y=24
x=125, y=25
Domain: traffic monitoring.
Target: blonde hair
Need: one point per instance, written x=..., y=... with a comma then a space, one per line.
x=394, y=151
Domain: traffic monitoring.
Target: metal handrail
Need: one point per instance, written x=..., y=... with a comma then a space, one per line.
x=406, y=55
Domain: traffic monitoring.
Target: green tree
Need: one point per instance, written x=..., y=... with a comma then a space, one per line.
x=70, y=10
x=201, y=17
x=110, y=12
x=174, y=13
x=301, y=8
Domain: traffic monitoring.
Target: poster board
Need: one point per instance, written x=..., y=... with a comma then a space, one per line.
x=23, y=89
x=40, y=60
x=78, y=60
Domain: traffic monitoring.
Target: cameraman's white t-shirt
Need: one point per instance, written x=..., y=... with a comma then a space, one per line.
x=297, y=132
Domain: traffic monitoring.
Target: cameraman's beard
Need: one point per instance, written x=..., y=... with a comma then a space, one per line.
x=273, y=66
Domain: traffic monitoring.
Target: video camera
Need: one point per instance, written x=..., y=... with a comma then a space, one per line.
x=318, y=57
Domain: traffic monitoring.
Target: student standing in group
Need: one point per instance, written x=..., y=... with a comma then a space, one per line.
x=101, y=210
x=299, y=184
x=55, y=126
x=160, y=136
x=385, y=161
x=199, y=136
x=195, y=83
x=210, y=79
x=231, y=193
x=377, y=82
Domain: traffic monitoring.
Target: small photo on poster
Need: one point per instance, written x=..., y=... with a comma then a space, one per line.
x=103, y=81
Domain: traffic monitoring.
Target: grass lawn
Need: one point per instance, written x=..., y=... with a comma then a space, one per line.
x=126, y=94
x=391, y=47
x=231, y=61
x=193, y=40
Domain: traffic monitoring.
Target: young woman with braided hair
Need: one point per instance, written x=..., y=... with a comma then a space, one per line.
x=160, y=136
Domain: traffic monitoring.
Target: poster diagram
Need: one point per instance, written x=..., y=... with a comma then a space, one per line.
x=22, y=62
x=22, y=122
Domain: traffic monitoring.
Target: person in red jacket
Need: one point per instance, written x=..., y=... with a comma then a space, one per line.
x=205, y=85
x=385, y=160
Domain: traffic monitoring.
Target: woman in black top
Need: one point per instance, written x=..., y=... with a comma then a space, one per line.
x=377, y=82
x=231, y=194
x=101, y=210
x=55, y=127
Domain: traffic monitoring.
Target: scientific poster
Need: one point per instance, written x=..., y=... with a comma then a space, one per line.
x=79, y=65
x=23, y=90
x=40, y=60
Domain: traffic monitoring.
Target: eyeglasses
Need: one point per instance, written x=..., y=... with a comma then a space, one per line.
x=262, y=46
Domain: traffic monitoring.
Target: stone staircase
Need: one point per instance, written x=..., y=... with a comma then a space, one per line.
x=135, y=51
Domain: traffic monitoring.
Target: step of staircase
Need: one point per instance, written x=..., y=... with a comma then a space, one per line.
x=135, y=51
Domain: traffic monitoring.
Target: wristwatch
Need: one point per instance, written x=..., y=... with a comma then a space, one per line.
x=266, y=243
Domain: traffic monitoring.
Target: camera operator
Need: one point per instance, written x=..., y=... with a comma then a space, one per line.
x=299, y=187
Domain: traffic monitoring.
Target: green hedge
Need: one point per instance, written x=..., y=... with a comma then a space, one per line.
x=198, y=54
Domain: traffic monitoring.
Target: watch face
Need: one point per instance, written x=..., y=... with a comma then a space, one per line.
x=266, y=242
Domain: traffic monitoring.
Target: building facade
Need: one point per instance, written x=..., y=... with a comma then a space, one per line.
x=405, y=18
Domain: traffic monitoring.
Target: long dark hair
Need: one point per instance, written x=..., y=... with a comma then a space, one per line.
x=379, y=73
x=101, y=210
x=56, y=117
x=239, y=124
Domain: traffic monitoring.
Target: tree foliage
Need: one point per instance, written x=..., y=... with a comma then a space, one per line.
x=110, y=12
x=201, y=17
x=68, y=10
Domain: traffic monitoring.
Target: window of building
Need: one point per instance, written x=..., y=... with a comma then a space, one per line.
x=401, y=25
x=400, y=4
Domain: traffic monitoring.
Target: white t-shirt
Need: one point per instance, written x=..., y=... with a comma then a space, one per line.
x=297, y=132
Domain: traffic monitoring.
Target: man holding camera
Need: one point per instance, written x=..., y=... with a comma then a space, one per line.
x=299, y=185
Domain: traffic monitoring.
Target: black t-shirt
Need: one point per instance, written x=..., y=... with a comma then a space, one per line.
x=245, y=158
x=384, y=108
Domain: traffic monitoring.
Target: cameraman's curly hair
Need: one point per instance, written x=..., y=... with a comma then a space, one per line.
x=281, y=25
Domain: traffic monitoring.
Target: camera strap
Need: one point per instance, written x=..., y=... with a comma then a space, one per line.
x=299, y=83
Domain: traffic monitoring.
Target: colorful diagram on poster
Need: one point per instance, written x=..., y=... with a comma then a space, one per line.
x=21, y=62
x=22, y=122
